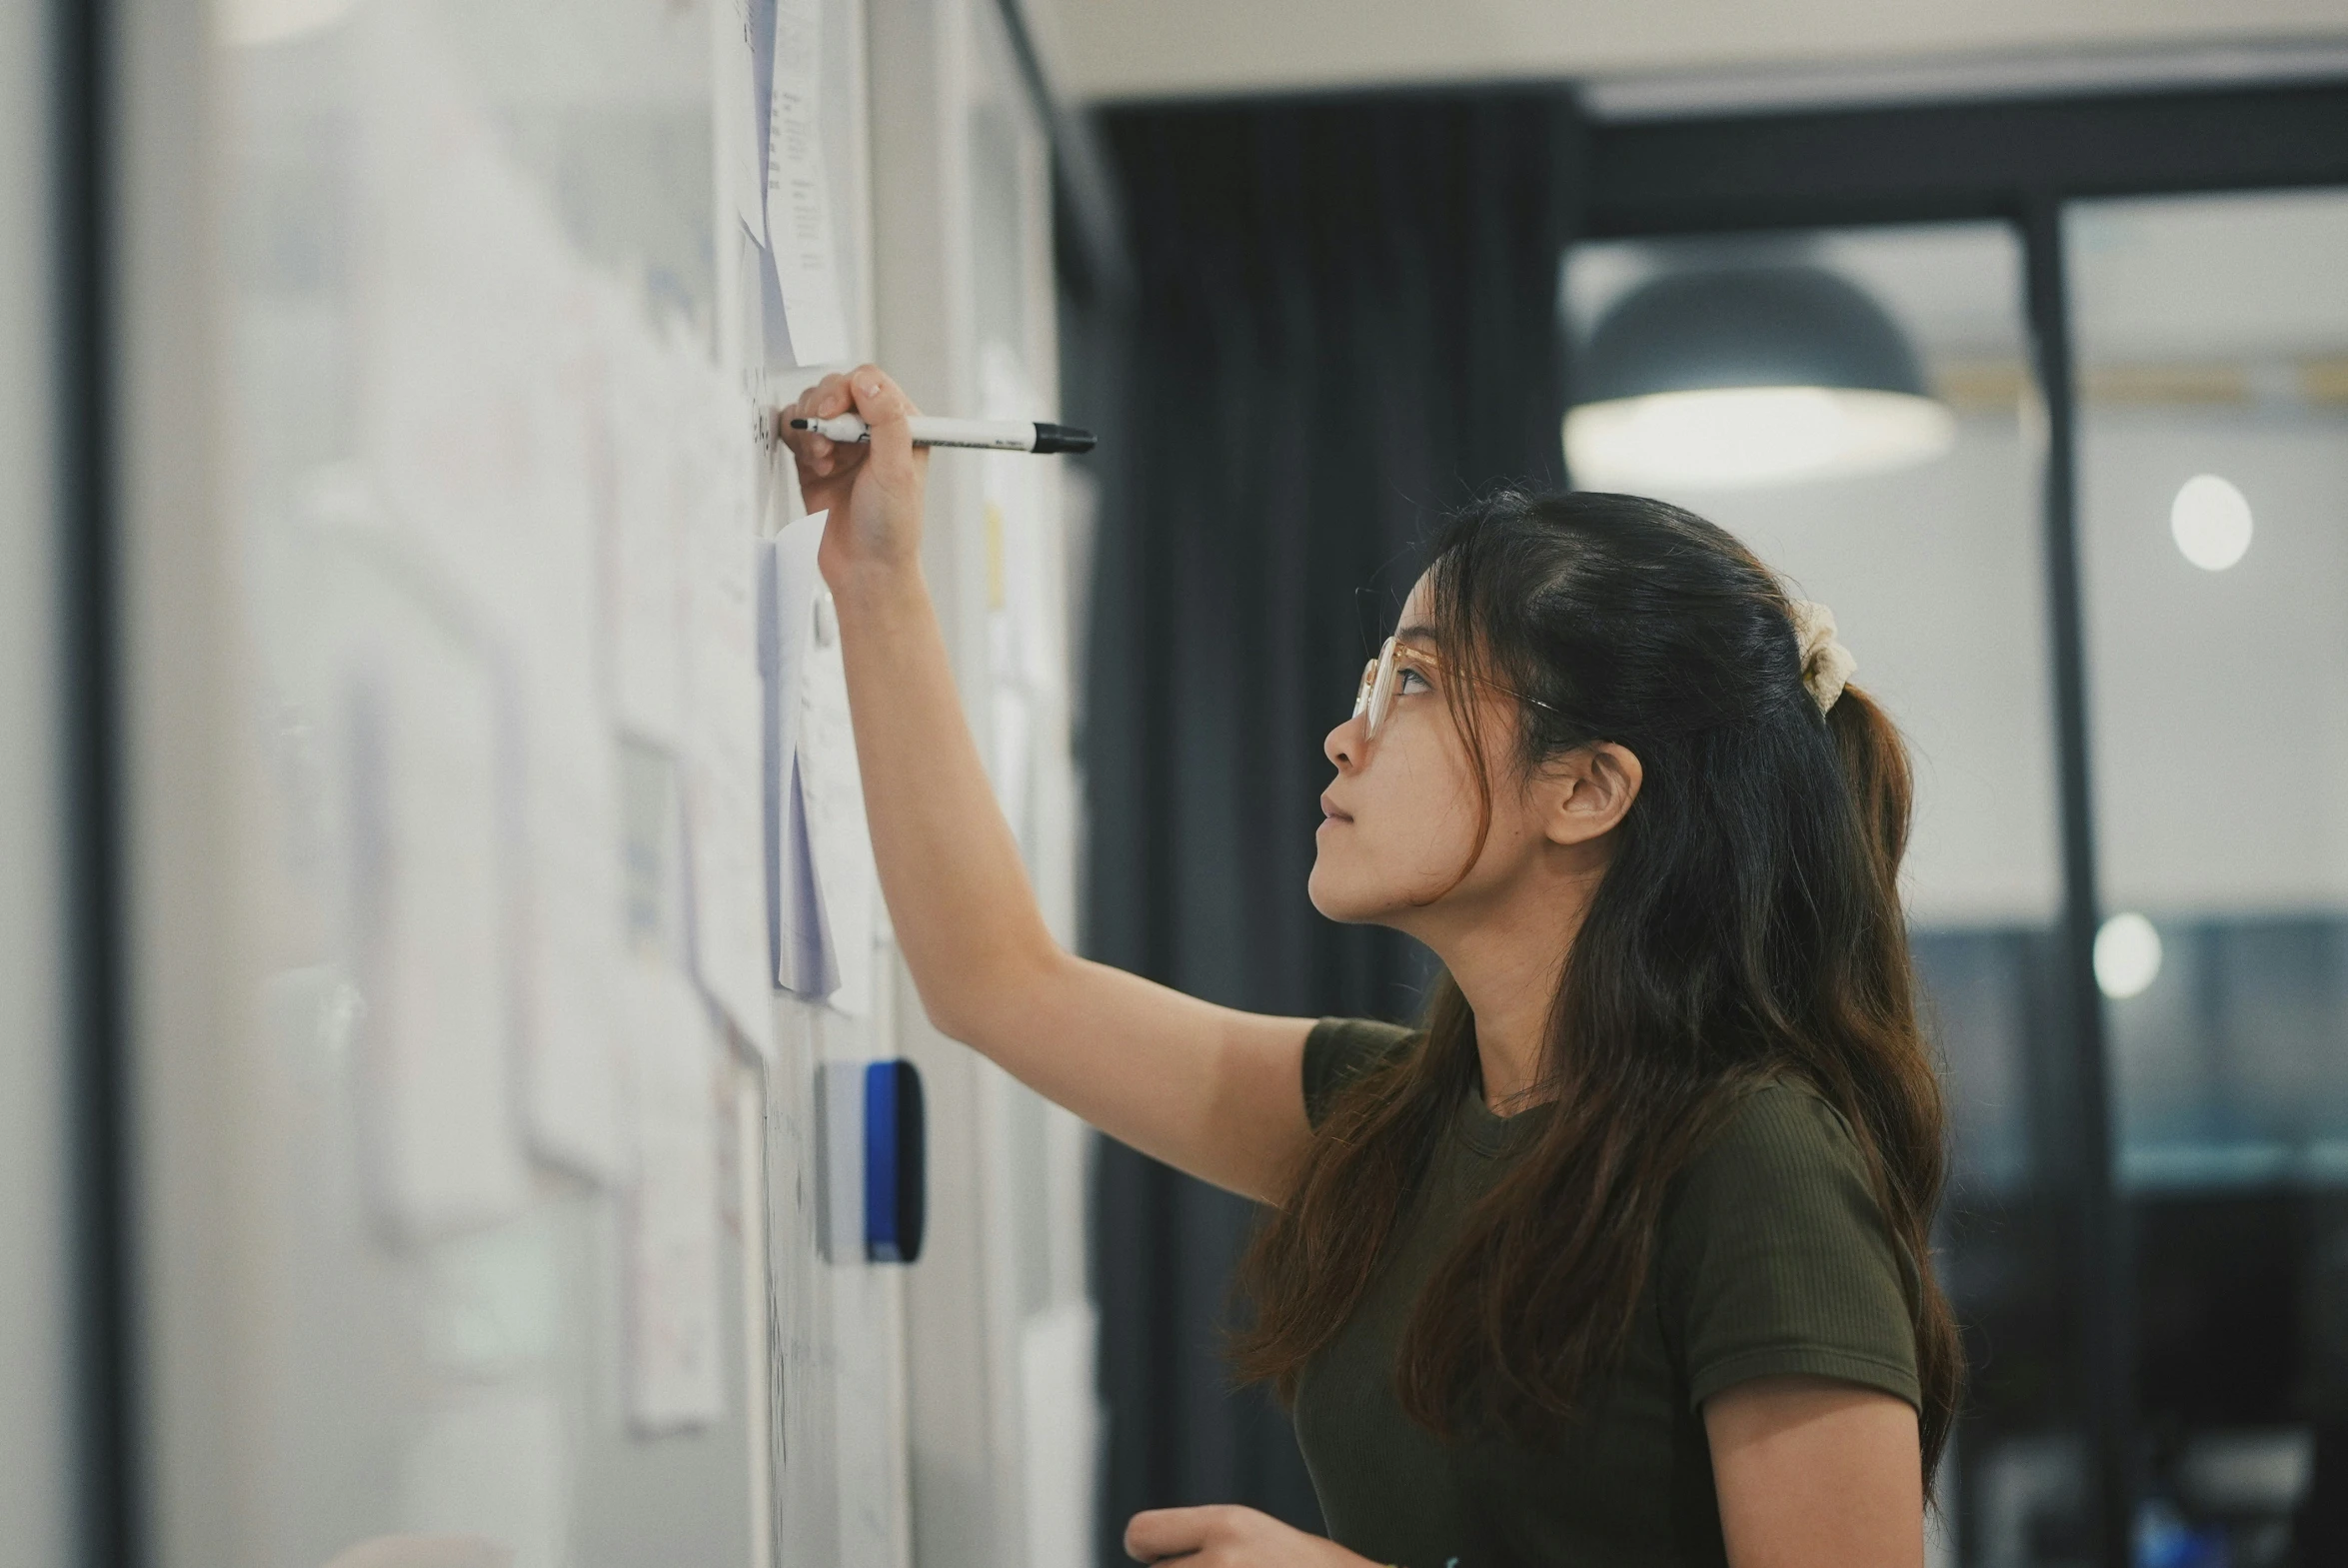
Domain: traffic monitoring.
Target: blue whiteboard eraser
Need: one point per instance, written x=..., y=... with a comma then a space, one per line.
x=896, y=1162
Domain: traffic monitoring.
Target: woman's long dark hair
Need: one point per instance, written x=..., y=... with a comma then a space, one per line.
x=1748, y=928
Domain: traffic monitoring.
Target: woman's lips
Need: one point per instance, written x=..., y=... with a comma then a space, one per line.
x=1329, y=811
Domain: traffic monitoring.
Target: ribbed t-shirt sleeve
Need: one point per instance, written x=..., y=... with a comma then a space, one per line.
x=1338, y=1050
x=1774, y=1257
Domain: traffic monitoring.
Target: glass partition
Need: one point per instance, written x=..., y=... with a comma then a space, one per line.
x=1934, y=569
x=2213, y=353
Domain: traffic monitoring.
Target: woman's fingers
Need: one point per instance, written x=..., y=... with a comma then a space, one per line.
x=819, y=457
x=1163, y=1533
x=869, y=392
x=1176, y=1532
x=873, y=487
x=882, y=406
x=827, y=398
x=878, y=399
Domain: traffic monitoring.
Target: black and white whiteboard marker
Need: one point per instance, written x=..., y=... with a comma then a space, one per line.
x=985, y=434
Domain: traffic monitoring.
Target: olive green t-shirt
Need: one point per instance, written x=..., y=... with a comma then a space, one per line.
x=1771, y=1258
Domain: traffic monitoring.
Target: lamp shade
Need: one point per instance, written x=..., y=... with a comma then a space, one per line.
x=1749, y=376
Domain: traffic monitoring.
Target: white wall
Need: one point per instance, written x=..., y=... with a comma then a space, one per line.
x=2224, y=279
x=1934, y=579
x=35, y=1439
x=2221, y=743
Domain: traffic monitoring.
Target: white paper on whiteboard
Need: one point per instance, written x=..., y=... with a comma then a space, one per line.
x=676, y=1366
x=740, y=138
x=801, y=240
x=573, y=941
x=725, y=819
x=645, y=544
x=573, y=907
x=820, y=880
x=803, y=963
x=832, y=791
x=430, y=925
x=470, y=330
x=796, y=949
x=484, y=354
x=786, y=630
x=726, y=843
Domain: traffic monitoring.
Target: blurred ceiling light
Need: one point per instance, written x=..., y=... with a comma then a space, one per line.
x=1750, y=375
x=2210, y=521
x=1729, y=438
x=2127, y=957
x=255, y=22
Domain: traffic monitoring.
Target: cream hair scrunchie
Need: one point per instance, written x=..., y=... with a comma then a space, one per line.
x=1826, y=664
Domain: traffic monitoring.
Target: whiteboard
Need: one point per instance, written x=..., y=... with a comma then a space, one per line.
x=500, y=1296
x=475, y=1183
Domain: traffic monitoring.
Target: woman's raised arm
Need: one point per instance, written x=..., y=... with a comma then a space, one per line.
x=1211, y=1090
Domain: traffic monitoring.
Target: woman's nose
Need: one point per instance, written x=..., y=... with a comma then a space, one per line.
x=1344, y=744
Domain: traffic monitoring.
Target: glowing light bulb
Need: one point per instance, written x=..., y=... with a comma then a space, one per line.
x=2127, y=957
x=2210, y=521
x=1734, y=437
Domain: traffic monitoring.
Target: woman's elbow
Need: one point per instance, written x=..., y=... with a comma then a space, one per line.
x=977, y=999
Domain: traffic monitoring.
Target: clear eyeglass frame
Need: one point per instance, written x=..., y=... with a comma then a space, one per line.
x=1381, y=676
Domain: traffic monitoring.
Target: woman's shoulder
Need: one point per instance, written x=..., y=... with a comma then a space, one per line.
x=1340, y=1052
x=1778, y=1149
x=1782, y=1122
x=1774, y=1255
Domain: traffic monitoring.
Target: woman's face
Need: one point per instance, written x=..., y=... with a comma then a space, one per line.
x=1399, y=820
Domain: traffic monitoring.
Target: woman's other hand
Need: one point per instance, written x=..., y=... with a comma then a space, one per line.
x=873, y=492
x=1228, y=1536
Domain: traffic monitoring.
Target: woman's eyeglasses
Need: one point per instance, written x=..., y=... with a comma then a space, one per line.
x=1397, y=661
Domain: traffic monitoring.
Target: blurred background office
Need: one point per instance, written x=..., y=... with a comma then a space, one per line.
x=2015, y=336
x=2017, y=333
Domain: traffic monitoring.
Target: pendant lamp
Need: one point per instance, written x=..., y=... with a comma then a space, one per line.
x=1741, y=377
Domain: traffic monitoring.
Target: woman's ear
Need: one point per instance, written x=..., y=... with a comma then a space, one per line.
x=1598, y=783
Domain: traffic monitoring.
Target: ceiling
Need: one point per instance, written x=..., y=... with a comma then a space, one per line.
x=1671, y=55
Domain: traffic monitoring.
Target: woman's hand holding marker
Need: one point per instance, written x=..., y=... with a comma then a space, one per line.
x=872, y=490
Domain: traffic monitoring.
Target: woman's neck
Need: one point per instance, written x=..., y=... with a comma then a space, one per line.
x=1508, y=965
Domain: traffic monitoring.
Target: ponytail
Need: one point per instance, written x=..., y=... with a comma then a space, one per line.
x=1875, y=770
x=1898, y=1095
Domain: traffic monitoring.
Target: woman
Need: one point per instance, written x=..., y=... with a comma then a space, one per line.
x=1623, y=1258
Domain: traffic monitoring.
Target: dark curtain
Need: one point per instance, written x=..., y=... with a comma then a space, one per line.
x=1342, y=321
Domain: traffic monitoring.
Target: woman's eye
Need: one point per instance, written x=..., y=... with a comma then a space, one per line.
x=1408, y=679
